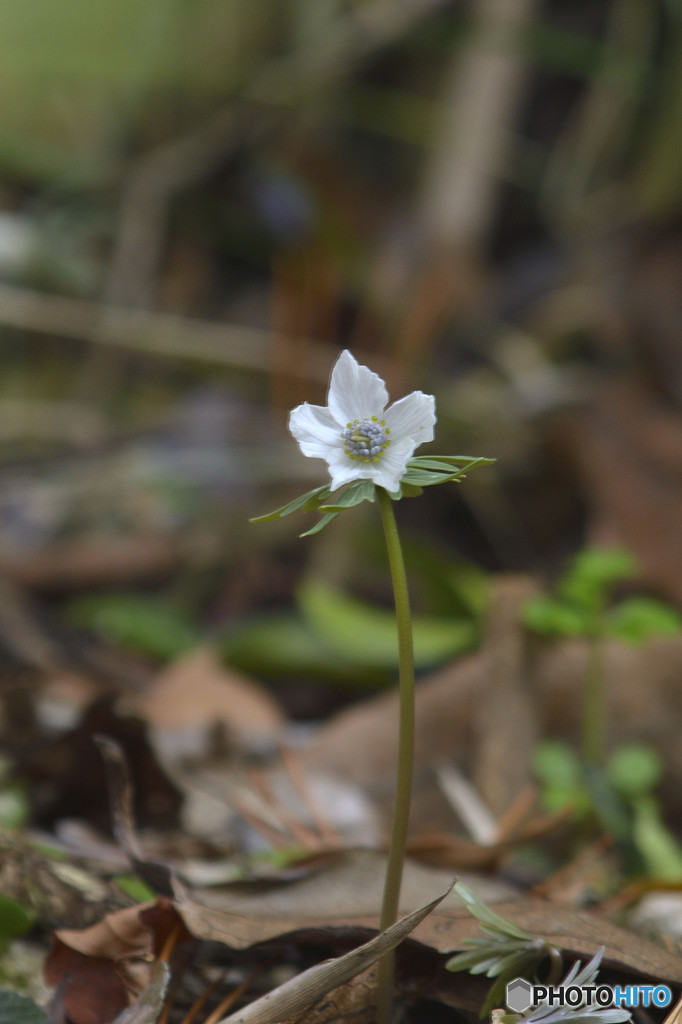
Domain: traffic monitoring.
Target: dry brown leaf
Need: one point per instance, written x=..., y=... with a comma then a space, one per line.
x=505, y=715
x=355, y=1001
x=348, y=888
x=149, y=1005
x=92, y=990
x=197, y=692
x=118, y=936
x=105, y=967
x=347, y=895
x=290, y=1000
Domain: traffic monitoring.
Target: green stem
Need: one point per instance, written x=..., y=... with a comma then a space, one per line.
x=594, y=704
x=403, y=790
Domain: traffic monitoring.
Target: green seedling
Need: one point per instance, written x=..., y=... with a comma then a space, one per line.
x=506, y=952
x=618, y=792
x=503, y=951
x=583, y=607
x=622, y=797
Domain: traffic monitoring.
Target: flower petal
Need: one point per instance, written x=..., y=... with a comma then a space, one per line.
x=345, y=473
x=355, y=392
x=389, y=470
x=315, y=429
x=413, y=416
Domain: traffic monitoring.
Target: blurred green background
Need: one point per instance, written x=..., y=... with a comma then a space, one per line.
x=202, y=203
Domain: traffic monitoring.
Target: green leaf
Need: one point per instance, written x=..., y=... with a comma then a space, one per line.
x=550, y=616
x=18, y=1009
x=134, y=887
x=281, y=645
x=407, y=490
x=634, y=769
x=367, y=635
x=657, y=846
x=561, y=773
x=638, y=618
x=360, y=490
x=14, y=807
x=426, y=478
x=138, y=623
x=557, y=764
x=320, y=524
x=482, y=912
x=426, y=471
x=307, y=502
x=592, y=573
x=463, y=461
x=14, y=918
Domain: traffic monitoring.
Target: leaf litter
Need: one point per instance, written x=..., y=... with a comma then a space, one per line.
x=325, y=892
x=333, y=908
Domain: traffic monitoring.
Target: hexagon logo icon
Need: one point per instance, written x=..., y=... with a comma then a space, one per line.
x=519, y=995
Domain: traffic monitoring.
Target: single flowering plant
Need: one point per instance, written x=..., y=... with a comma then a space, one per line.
x=369, y=446
x=367, y=443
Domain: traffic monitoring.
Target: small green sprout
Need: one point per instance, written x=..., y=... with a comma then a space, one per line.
x=582, y=607
x=504, y=951
x=621, y=797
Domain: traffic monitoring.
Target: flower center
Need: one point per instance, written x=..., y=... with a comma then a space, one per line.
x=365, y=440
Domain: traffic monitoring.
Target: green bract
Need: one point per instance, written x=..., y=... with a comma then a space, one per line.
x=422, y=471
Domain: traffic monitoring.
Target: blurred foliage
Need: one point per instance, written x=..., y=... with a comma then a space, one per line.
x=581, y=606
x=621, y=798
x=14, y=919
x=140, y=624
x=277, y=159
x=330, y=635
x=14, y=805
x=340, y=638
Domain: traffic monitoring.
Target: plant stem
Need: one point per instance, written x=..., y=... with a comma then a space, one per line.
x=594, y=704
x=403, y=789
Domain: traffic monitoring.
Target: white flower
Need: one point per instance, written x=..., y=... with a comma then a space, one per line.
x=356, y=434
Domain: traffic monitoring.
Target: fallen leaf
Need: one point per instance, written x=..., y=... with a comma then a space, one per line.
x=92, y=989
x=347, y=895
x=348, y=890
x=105, y=967
x=294, y=997
x=505, y=716
x=355, y=1000
x=121, y=799
x=150, y=1003
x=196, y=693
